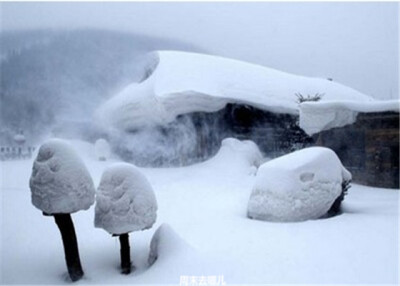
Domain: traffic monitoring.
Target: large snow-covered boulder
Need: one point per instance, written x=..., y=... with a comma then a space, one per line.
x=299, y=186
x=125, y=200
x=60, y=182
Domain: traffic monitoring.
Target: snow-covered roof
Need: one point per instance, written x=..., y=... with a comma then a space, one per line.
x=181, y=82
x=319, y=116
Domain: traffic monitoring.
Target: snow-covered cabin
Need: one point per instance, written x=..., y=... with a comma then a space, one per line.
x=190, y=102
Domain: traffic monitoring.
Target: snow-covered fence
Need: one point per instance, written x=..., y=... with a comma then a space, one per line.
x=16, y=152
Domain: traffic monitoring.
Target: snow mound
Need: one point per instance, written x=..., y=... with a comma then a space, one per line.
x=125, y=200
x=60, y=182
x=102, y=149
x=299, y=186
x=245, y=154
x=319, y=116
x=165, y=243
x=171, y=257
x=182, y=82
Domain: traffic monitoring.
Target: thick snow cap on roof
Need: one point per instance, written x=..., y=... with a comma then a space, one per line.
x=318, y=116
x=299, y=186
x=60, y=182
x=181, y=82
x=125, y=200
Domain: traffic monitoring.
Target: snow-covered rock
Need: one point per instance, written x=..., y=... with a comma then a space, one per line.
x=319, y=116
x=182, y=82
x=60, y=182
x=125, y=200
x=299, y=186
x=102, y=149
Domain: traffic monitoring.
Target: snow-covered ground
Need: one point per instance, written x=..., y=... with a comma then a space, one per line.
x=208, y=235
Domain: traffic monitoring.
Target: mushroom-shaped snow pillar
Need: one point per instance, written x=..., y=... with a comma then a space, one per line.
x=125, y=202
x=60, y=185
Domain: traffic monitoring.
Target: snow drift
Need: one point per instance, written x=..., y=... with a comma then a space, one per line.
x=166, y=243
x=60, y=182
x=299, y=186
x=169, y=251
x=125, y=200
x=181, y=83
x=245, y=155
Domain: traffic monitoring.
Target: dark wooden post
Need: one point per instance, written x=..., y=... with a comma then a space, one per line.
x=125, y=254
x=67, y=230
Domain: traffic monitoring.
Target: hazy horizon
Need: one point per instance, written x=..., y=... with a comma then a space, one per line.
x=353, y=43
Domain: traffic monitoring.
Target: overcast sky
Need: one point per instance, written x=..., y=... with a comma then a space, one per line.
x=353, y=43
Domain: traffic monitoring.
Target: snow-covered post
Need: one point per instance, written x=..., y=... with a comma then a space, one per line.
x=125, y=253
x=125, y=202
x=71, y=251
x=60, y=185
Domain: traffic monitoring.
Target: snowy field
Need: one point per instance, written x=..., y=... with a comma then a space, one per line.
x=205, y=206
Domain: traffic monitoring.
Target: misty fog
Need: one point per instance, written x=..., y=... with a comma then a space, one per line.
x=53, y=79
